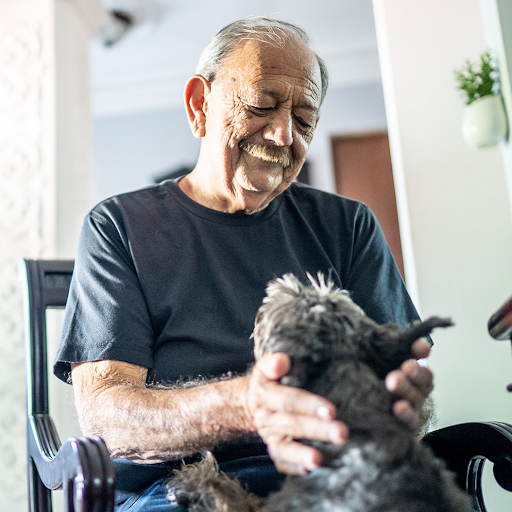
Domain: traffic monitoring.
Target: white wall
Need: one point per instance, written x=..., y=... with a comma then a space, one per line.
x=497, y=23
x=131, y=150
x=75, y=25
x=459, y=209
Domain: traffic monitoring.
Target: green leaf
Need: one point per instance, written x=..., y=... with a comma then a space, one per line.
x=477, y=80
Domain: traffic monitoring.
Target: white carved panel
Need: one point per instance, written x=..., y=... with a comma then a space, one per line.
x=38, y=121
x=26, y=203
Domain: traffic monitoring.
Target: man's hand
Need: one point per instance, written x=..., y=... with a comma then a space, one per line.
x=412, y=383
x=283, y=414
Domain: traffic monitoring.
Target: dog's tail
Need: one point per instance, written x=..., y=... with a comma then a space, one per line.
x=423, y=329
x=387, y=346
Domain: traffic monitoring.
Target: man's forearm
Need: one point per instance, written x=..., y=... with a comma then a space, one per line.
x=153, y=425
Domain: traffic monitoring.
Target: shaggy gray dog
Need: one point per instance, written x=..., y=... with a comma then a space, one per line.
x=336, y=351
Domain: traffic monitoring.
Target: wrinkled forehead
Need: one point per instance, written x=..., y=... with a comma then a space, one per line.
x=289, y=61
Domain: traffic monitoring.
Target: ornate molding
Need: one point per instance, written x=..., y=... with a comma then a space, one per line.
x=23, y=197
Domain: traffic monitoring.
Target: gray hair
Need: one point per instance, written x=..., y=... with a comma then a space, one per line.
x=254, y=27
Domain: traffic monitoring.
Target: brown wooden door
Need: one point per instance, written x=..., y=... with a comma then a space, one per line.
x=363, y=171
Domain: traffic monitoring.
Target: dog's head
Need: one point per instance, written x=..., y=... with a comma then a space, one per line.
x=299, y=319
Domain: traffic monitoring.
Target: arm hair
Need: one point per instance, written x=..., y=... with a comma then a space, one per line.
x=154, y=425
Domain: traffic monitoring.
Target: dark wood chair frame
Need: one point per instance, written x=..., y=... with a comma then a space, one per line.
x=81, y=466
x=83, y=469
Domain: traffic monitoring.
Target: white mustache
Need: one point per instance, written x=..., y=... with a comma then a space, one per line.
x=276, y=154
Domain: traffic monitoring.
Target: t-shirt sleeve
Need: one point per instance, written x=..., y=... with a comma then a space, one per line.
x=374, y=280
x=106, y=314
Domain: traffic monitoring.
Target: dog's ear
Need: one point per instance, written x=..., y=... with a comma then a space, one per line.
x=280, y=294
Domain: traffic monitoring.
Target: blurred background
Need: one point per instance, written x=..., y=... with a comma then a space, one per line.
x=91, y=106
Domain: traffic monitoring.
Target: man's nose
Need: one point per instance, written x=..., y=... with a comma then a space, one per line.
x=279, y=128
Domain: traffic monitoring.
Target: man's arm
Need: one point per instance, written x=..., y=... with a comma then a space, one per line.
x=154, y=425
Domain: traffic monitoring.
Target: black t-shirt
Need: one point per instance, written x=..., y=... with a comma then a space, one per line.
x=163, y=282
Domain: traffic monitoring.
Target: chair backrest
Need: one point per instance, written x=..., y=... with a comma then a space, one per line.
x=46, y=285
x=81, y=466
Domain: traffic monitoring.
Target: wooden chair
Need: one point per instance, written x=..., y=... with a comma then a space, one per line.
x=466, y=447
x=81, y=466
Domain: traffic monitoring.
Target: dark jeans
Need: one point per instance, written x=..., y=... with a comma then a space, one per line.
x=144, y=489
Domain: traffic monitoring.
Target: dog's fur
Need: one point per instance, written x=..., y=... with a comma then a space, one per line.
x=337, y=352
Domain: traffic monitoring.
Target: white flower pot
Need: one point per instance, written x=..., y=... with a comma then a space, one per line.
x=485, y=123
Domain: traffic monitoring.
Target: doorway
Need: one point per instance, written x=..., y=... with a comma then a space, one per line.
x=363, y=171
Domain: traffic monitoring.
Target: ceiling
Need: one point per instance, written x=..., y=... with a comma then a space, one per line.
x=147, y=69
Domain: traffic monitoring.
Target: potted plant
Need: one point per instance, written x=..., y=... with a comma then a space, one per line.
x=484, y=123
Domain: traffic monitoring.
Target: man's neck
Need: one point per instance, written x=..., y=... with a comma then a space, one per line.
x=200, y=190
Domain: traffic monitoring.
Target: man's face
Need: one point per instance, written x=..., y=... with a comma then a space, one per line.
x=261, y=113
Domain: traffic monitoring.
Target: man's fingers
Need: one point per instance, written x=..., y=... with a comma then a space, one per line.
x=421, y=348
x=404, y=412
x=283, y=415
x=269, y=394
x=411, y=382
x=400, y=385
x=275, y=397
x=302, y=427
x=420, y=376
x=293, y=457
x=272, y=366
x=290, y=469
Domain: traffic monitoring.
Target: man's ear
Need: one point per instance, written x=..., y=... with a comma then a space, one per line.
x=196, y=92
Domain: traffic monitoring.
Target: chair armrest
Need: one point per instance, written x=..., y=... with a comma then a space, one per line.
x=500, y=323
x=82, y=466
x=465, y=447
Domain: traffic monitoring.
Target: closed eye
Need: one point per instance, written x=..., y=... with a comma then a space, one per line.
x=302, y=123
x=261, y=110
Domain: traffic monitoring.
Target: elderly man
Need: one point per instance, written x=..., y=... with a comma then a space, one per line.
x=168, y=280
